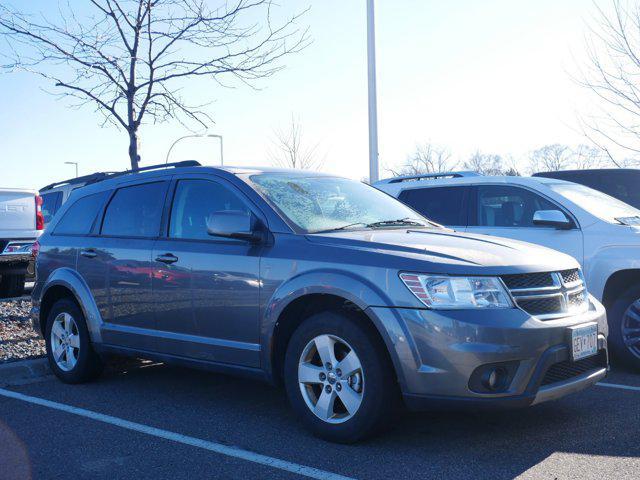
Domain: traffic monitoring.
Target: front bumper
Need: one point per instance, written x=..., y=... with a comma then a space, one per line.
x=435, y=354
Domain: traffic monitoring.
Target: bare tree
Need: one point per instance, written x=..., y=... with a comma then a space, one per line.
x=427, y=158
x=486, y=164
x=128, y=58
x=290, y=151
x=586, y=156
x=551, y=158
x=612, y=75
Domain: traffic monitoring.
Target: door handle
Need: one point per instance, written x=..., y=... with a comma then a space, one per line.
x=167, y=258
x=89, y=253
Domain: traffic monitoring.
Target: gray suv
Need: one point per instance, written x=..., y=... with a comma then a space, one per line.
x=348, y=297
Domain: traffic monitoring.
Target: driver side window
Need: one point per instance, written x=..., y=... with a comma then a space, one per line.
x=506, y=206
x=194, y=201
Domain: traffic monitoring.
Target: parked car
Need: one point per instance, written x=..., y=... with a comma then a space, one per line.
x=21, y=223
x=620, y=183
x=55, y=194
x=344, y=294
x=601, y=232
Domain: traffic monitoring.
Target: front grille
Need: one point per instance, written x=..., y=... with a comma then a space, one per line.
x=567, y=369
x=541, y=306
x=527, y=280
x=549, y=295
x=570, y=276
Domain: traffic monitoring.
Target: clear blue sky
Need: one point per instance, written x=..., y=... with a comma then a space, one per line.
x=490, y=75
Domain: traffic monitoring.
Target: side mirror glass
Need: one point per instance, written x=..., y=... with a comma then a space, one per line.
x=234, y=224
x=552, y=218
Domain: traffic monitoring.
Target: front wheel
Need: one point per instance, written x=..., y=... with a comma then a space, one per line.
x=624, y=327
x=69, y=350
x=338, y=377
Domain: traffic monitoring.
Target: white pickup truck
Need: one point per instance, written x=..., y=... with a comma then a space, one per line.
x=21, y=223
x=601, y=232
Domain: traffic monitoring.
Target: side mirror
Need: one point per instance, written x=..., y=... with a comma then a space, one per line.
x=234, y=224
x=552, y=218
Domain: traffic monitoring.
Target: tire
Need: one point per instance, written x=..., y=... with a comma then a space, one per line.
x=375, y=385
x=625, y=311
x=11, y=286
x=84, y=363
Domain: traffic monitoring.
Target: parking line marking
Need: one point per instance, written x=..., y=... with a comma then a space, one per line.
x=616, y=385
x=178, y=437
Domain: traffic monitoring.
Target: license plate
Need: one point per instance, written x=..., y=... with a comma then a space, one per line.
x=584, y=341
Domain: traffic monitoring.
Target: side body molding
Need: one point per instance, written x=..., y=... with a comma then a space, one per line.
x=70, y=279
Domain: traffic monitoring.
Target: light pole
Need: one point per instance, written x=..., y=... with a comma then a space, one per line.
x=73, y=163
x=373, y=107
x=211, y=135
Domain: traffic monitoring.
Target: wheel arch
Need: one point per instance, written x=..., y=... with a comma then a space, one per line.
x=67, y=283
x=618, y=283
x=300, y=299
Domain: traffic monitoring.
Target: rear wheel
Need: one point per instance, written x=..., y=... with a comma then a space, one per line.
x=338, y=378
x=11, y=286
x=69, y=350
x=624, y=327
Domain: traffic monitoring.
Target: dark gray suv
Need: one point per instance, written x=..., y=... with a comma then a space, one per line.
x=339, y=291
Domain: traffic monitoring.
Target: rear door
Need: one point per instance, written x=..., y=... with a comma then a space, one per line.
x=130, y=226
x=507, y=211
x=445, y=205
x=206, y=288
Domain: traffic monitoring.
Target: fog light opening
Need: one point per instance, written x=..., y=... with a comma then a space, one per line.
x=494, y=378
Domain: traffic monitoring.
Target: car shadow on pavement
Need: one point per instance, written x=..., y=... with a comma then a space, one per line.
x=255, y=416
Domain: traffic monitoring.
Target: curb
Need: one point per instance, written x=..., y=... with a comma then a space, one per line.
x=23, y=370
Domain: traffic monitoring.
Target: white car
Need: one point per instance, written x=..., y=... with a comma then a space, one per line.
x=21, y=223
x=601, y=232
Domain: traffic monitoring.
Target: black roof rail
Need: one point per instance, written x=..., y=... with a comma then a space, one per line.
x=86, y=179
x=430, y=176
x=100, y=176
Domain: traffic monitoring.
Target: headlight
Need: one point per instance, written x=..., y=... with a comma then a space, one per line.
x=443, y=292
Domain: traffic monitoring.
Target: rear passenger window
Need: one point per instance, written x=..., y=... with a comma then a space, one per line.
x=50, y=204
x=79, y=218
x=445, y=205
x=135, y=211
x=194, y=201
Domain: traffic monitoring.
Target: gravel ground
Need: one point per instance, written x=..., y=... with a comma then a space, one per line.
x=18, y=340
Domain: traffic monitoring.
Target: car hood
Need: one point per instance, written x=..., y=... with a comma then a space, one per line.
x=446, y=247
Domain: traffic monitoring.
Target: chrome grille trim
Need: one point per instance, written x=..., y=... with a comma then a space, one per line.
x=564, y=288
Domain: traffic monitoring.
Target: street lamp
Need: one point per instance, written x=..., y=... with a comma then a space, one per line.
x=373, y=107
x=73, y=163
x=211, y=135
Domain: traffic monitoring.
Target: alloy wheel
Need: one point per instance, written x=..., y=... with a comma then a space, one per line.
x=65, y=342
x=331, y=378
x=631, y=328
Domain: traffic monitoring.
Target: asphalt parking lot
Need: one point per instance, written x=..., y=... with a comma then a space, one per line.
x=166, y=422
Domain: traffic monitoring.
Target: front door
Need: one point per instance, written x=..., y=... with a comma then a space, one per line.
x=507, y=211
x=206, y=288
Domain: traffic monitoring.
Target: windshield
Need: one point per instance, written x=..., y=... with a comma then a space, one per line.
x=317, y=204
x=597, y=203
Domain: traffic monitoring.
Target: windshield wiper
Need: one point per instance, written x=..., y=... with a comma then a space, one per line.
x=343, y=227
x=382, y=223
x=393, y=223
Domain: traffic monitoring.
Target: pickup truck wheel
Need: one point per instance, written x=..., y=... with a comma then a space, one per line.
x=624, y=327
x=69, y=350
x=11, y=286
x=338, y=378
